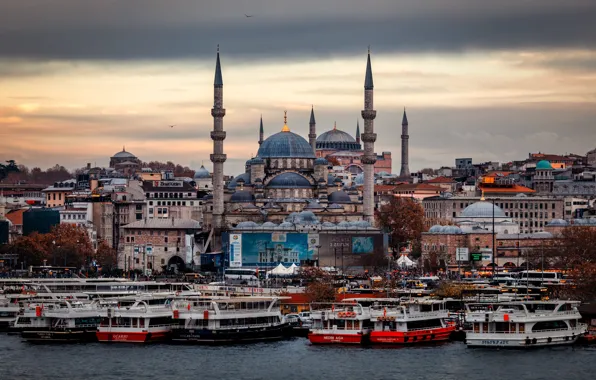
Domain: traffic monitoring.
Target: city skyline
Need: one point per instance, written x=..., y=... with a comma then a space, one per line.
x=489, y=93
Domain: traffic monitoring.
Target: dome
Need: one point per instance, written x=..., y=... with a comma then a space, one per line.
x=248, y=224
x=321, y=161
x=435, y=229
x=335, y=206
x=482, y=209
x=359, y=179
x=233, y=183
x=242, y=196
x=202, y=173
x=543, y=165
x=257, y=161
x=286, y=225
x=307, y=217
x=338, y=140
x=269, y=225
x=313, y=206
x=330, y=179
x=285, y=144
x=557, y=222
x=339, y=197
x=289, y=180
x=124, y=154
x=452, y=230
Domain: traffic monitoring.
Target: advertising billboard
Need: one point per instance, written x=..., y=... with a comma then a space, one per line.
x=362, y=245
x=235, y=250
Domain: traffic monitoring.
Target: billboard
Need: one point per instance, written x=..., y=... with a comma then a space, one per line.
x=235, y=250
x=362, y=245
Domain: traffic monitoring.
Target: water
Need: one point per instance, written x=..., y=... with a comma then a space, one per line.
x=294, y=359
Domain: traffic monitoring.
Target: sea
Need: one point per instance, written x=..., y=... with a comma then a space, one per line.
x=288, y=360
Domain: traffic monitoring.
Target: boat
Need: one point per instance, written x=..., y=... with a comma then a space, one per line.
x=524, y=324
x=58, y=321
x=343, y=323
x=228, y=320
x=414, y=322
x=143, y=319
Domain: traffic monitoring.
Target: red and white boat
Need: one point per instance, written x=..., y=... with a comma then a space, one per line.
x=142, y=321
x=409, y=323
x=343, y=323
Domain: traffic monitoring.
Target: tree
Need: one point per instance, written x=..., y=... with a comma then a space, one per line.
x=403, y=219
x=320, y=286
x=333, y=161
x=70, y=245
x=106, y=256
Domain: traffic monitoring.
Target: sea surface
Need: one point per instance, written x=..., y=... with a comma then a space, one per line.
x=288, y=360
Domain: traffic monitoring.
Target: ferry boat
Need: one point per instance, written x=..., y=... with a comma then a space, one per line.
x=344, y=323
x=228, y=320
x=524, y=324
x=143, y=319
x=58, y=321
x=410, y=323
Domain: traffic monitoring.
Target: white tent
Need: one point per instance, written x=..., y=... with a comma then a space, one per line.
x=292, y=269
x=404, y=261
x=280, y=270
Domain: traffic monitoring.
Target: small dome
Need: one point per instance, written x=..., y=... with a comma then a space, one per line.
x=269, y=225
x=343, y=224
x=452, y=230
x=321, y=161
x=248, y=224
x=328, y=225
x=242, y=196
x=124, y=154
x=257, y=161
x=233, y=183
x=335, y=206
x=248, y=162
x=521, y=195
x=543, y=165
x=557, y=222
x=339, y=197
x=362, y=224
x=330, y=179
x=307, y=217
x=286, y=225
x=313, y=206
x=482, y=209
x=289, y=180
x=202, y=173
x=435, y=229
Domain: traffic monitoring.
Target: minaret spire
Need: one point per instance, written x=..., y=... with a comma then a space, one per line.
x=312, y=131
x=405, y=168
x=368, y=138
x=357, y=131
x=218, y=157
x=261, y=131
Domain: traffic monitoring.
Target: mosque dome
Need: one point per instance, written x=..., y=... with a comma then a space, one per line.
x=307, y=217
x=338, y=140
x=313, y=206
x=557, y=222
x=233, y=183
x=321, y=161
x=242, y=196
x=257, y=161
x=285, y=144
x=202, y=173
x=543, y=165
x=339, y=197
x=482, y=209
x=289, y=180
x=124, y=154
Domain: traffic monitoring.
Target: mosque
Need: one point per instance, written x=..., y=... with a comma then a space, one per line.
x=289, y=175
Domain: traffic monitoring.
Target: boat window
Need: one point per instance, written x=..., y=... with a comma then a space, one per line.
x=476, y=327
x=428, y=323
x=522, y=327
x=573, y=323
x=549, y=325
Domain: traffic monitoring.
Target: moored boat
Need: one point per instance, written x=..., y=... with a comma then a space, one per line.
x=228, y=320
x=524, y=324
x=343, y=323
x=410, y=323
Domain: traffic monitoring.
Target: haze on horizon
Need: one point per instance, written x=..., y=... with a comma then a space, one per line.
x=492, y=81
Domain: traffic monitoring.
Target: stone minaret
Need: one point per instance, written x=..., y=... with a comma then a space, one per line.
x=369, y=137
x=312, y=134
x=261, y=132
x=357, y=131
x=405, y=167
x=218, y=157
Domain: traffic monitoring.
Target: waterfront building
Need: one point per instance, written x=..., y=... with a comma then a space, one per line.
x=125, y=162
x=56, y=194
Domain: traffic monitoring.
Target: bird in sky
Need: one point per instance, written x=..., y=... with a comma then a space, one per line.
x=248, y=15
x=172, y=126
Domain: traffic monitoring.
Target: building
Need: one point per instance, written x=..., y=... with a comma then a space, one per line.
x=464, y=164
x=172, y=199
x=449, y=185
x=56, y=194
x=21, y=195
x=418, y=191
x=157, y=244
x=591, y=158
x=125, y=162
x=531, y=214
x=203, y=179
x=286, y=176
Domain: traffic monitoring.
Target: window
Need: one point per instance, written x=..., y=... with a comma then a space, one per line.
x=163, y=261
x=139, y=216
x=165, y=249
x=165, y=239
x=132, y=239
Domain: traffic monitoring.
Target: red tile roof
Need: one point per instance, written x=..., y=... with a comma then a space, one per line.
x=506, y=189
x=417, y=186
x=16, y=216
x=441, y=180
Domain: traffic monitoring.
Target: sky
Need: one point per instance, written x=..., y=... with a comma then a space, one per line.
x=80, y=79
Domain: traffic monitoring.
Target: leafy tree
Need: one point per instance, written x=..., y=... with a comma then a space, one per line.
x=320, y=286
x=403, y=219
x=106, y=256
x=333, y=161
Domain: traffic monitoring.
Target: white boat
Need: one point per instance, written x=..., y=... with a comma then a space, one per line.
x=345, y=322
x=58, y=321
x=228, y=320
x=524, y=324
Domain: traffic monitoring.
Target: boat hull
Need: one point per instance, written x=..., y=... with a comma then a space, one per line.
x=411, y=337
x=475, y=340
x=58, y=336
x=132, y=336
x=243, y=335
x=335, y=338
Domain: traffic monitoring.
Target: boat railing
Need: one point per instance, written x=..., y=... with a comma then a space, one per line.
x=426, y=328
x=577, y=327
x=414, y=315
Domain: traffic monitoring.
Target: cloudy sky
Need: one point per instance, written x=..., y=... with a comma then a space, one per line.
x=484, y=79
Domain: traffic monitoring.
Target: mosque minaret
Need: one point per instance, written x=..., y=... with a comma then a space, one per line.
x=218, y=157
x=368, y=138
